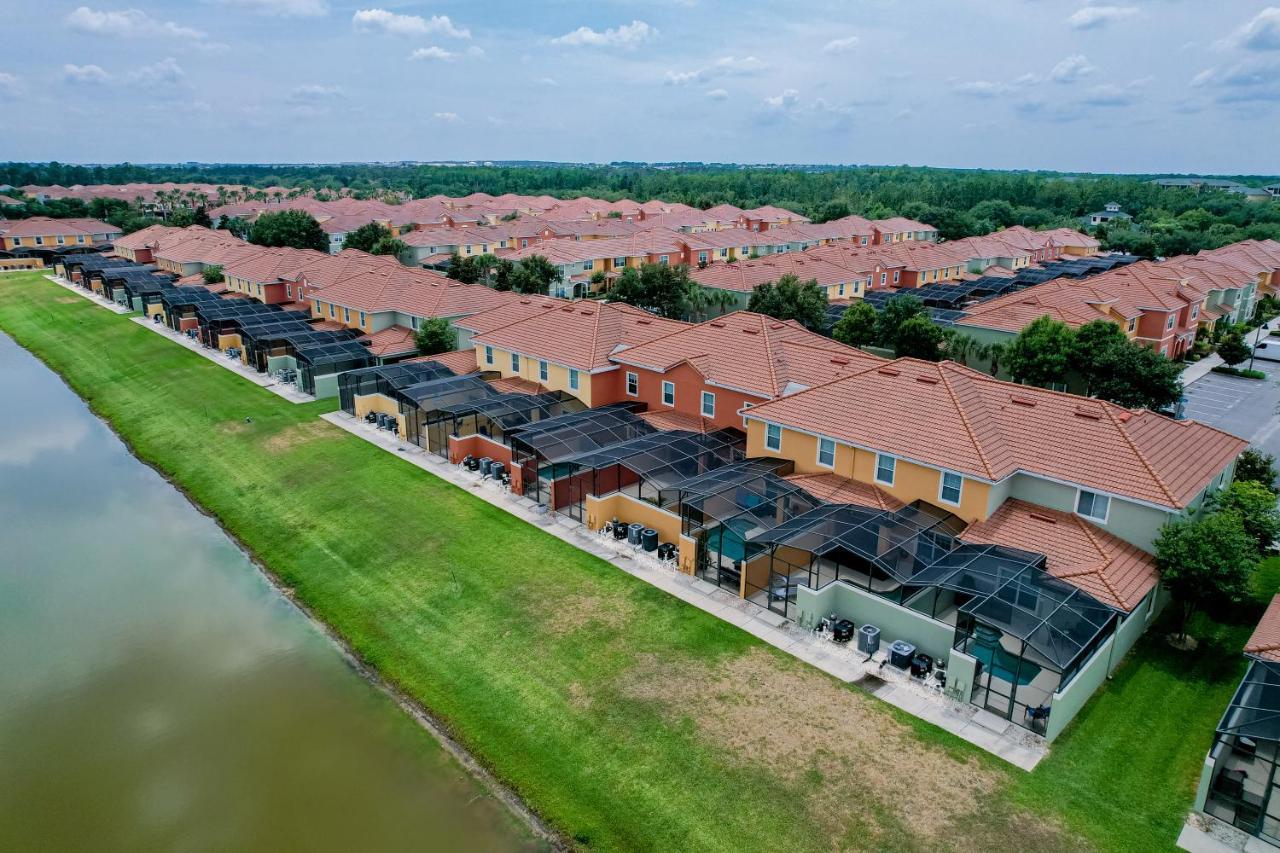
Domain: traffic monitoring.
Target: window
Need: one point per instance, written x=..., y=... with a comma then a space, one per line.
x=633, y=384
x=1093, y=505
x=333, y=310
x=17, y=241
x=952, y=484
x=80, y=238
x=62, y=241
x=724, y=253
x=885, y=467
x=826, y=453
x=362, y=320
x=708, y=404
x=884, y=278
x=1169, y=324
x=573, y=379
x=664, y=260
x=414, y=322
x=39, y=241
x=668, y=393
x=841, y=289
x=896, y=274
x=524, y=243
x=515, y=362
x=587, y=265
x=772, y=437
x=288, y=291
x=488, y=355
x=1195, y=311
x=619, y=262
x=542, y=371
x=1133, y=323
x=702, y=257
x=346, y=315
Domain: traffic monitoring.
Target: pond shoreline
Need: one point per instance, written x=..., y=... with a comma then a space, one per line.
x=471, y=765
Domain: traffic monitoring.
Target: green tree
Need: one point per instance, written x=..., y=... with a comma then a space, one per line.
x=791, y=299
x=856, y=326
x=895, y=312
x=919, y=337
x=1205, y=561
x=1233, y=349
x=1255, y=505
x=212, y=274
x=435, y=335
x=533, y=274
x=1093, y=351
x=662, y=289
x=293, y=228
x=389, y=246
x=1254, y=466
x=462, y=269
x=366, y=237
x=1138, y=377
x=1041, y=352
x=235, y=225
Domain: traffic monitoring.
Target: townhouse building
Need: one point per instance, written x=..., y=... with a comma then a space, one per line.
x=43, y=232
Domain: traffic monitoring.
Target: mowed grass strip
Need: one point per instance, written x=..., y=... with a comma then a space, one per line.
x=626, y=718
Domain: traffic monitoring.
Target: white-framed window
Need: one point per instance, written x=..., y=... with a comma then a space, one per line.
x=17, y=241
x=664, y=259
x=362, y=318
x=896, y=274
x=488, y=355
x=840, y=289
x=619, y=262
x=633, y=384
x=772, y=437
x=542, y=371
x=62, y=241
x=515, y=362
x=950, y=488
x=586, y=265
x=414, y=322
x=1169, y=324
x=573, y=379
x=1093, y=505
x=288, y=291
x=668, y=393
x=346, y=315
x=333, y=310
x=708, y=404
x=702, y=257
x=1133, y=323
x=80, y=238
x=39, y=241
x=886, y=467
x=724, y=253
x=1058, y=386
x=1195, y=311
x=826, y=453
x=884, y=278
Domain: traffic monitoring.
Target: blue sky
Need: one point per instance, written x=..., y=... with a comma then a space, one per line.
x=1112, y=85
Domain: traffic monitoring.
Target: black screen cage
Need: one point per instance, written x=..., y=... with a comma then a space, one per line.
x=386, y=379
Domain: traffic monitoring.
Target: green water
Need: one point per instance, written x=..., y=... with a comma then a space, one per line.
x=156, y=693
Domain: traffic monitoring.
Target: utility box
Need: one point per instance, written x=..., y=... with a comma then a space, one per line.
x=868, y=639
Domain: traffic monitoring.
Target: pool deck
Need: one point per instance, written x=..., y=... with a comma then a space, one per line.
x=997, y=736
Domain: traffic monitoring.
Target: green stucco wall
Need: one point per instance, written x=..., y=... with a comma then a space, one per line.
x=894, y=621
x=326, y=386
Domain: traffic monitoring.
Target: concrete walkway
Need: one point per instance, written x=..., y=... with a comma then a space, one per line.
x=999, y=737
x=1205, y=366
x=100, y=301
x=289, y=392
x=1203, y=834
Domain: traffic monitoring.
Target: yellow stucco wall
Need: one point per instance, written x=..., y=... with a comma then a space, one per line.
x=232, y=340
x=599, y=511
x=378, y=403
x=911, y=482
x=557, y=376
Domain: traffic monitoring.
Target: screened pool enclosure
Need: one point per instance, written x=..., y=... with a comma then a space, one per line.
x=1244, y=787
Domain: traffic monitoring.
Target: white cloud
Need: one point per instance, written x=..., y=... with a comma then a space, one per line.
x=546, y=81
x=128, y=23
x=84, y=73
x=789, y=99
x=283, y=8
x=406, y=25
x=1096, y=17
x=627, y=36
x=840, y=45
x=1262, y=32
x=433, y=53
x=450, y=118
x=496, y=121
x=1071, y=69
x=10, y=86
x=315, y=92
x=983, y=88
x=725, y=66
x=718, y=94
x=166, y=72
x=1251, y=80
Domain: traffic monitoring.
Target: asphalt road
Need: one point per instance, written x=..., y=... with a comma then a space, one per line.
x=1249, y=408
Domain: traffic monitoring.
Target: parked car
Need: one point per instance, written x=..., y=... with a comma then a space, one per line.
x=1268, y=349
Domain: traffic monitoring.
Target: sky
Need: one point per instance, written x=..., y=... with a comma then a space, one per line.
x=1109, y=85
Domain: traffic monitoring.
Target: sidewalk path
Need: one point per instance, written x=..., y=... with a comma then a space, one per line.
x=1205, y=366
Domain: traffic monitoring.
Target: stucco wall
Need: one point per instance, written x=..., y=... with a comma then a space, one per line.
x=894, y=621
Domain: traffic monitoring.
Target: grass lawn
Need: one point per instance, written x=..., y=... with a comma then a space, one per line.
x=626, y=718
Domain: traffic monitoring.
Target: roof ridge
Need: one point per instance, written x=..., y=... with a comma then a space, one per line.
x=1107, y=559
x=964, y=420
x=1142, y=457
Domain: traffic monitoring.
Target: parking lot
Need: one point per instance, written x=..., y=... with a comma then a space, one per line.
x=1249, y=408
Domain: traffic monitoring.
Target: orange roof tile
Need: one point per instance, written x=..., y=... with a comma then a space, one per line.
x=1086, y=556
x=1264, y=643
x=835, y=489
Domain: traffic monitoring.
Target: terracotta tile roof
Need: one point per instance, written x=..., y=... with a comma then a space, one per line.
x=1264, y=643
x=668, y=420
x=652, y=241
x=752, y=353
x=1086, y=556
x=44, y=226
x=746, y=276
x=770, y=213
x=835, y=489
x=460, y=361
x=516, y=385
x=971, y=423
x=581, y=335
x=393, y=340
x=512, y=311
x=410, y=291
x=900, y=225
